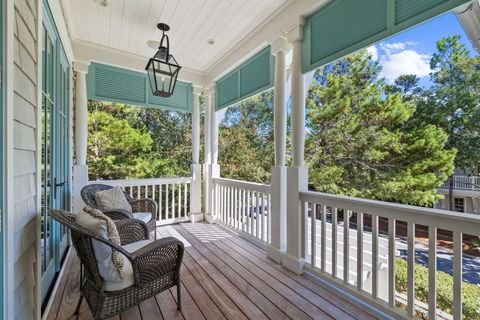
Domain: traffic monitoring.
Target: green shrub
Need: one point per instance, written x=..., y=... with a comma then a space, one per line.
x=471, y=292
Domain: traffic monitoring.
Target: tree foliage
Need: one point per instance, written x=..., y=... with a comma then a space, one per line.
x=136, y=142
x=246, y=139
x=358, y=143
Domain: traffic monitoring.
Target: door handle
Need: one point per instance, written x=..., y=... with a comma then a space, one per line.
x=56, y=185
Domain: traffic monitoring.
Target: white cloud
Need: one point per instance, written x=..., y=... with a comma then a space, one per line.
x=405, y=62
x=398, y=58
x=373, y=51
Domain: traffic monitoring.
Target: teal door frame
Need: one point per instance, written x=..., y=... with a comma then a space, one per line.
x=56, y=72
x=2, y=153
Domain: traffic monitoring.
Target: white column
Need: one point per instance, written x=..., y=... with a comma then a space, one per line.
x=213, y=167
x=206, y=141
x=277, y=247
x=214, y=129
x=196, y=168
x=81, y=113
x=298, y=105
x=80, y=169
x=297, y=176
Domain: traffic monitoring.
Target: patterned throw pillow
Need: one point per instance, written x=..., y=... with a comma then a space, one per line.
x=110, y=262
x=112, y=199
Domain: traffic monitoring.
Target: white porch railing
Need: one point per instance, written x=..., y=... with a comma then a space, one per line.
x=346, y=244
x=172, y=195
x=244, y=206
x=464, y=183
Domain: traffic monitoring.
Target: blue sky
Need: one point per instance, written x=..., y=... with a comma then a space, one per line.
x=410, y=51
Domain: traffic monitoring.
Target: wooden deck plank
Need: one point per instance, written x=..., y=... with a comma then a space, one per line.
x=256, y=290
x=345, y=305
x=131, y=314
x=167, y=306
x=244, y=256
x=243, y=303
x=223, y=277
x=57, y=300
x=72, y=291
x=149, y=310
x=222, y=300
x=206, y=305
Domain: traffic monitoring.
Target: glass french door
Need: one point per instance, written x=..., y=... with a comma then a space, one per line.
x=1, y=161
x=55, y=164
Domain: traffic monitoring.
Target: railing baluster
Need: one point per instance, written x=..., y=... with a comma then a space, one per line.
x=173, y=201
x=244, y=226
x=235, y=191
x=375, y=256
x=269, y=219
x=160, y=202
x=314, y=234
x=346, y=245
x=360, y=250
x=250, y=214
x=323, y=239
x=457, y=275
x=262, y=216
x=432, y=272
x=411, y=270
x=179, y=207
x=185, y=212
x=391, y=262
x=257, y=224
x=167, y=214
x=334, y=242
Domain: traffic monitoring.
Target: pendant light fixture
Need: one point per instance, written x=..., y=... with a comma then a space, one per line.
x=163, y=69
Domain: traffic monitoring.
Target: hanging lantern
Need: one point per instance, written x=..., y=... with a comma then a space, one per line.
x=163, y=69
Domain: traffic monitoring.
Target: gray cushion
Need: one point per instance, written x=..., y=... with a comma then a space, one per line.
x=144, y=216
x=103, y=252
x=112, y=199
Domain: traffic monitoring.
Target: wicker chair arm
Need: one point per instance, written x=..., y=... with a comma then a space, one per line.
x=157, y=259
x=144, y=205
x=118, y=214
x=132, y=230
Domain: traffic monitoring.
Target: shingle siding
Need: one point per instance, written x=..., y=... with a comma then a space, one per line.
x=25, y=157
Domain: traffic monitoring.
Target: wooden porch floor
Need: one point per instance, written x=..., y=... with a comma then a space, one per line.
x=223, y=277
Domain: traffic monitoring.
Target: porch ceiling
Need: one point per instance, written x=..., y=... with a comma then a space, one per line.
x=127, y=25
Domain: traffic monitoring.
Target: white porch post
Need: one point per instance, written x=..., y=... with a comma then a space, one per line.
x=80, y=169
x=213, y=167
x=196, y=168
x=206, y=165
x=297, y=175
x=277, y=247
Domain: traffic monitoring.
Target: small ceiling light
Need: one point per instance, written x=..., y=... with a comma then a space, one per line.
x=102, y=3
x=163, y=69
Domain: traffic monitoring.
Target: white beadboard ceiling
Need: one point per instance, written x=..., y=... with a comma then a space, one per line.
x=127, y=25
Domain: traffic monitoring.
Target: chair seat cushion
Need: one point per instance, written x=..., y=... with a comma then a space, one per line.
x=144, y=216
x=112, y=199
x=127, y=272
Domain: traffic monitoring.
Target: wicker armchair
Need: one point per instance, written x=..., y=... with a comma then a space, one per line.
x=138, y=205
x=156, y=266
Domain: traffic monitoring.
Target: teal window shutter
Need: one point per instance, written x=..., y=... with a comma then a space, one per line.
x=344, y=26
x=115, y=84
x=227, y=89
x=252, y=77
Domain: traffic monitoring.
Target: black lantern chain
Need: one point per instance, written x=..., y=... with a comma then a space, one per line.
x=163, y=68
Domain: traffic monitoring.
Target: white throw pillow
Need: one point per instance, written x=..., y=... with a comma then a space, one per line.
x=112, y=199
x=103, y=252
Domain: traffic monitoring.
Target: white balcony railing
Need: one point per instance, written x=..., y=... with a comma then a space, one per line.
x=464, y=183
x=353, y=243
x=244, y=206
x=172, y=195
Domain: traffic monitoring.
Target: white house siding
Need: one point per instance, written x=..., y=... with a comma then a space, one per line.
x=25, y=157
